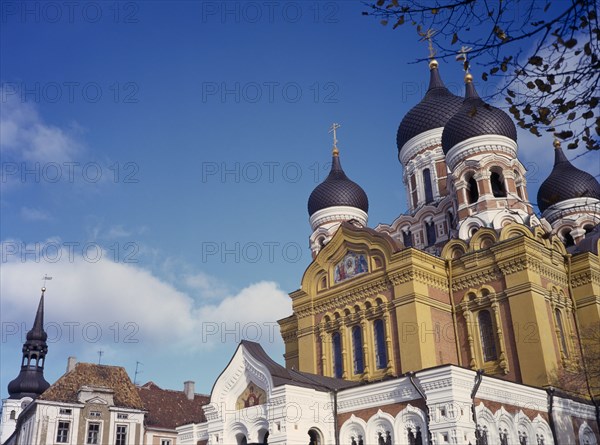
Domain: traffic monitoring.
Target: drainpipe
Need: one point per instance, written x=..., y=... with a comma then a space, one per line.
x=595, y=402
x=411, y=378
x=478, y=379
x=454, y=322
x=550, y=392
x=336, y=427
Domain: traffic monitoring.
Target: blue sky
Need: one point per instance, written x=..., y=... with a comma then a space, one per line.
x=157, y=159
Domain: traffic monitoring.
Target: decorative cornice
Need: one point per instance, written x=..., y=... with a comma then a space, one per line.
x=476, y=278
x=480, y=144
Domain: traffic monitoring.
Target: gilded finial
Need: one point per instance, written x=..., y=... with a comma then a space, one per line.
x=333, y=129
x=556, y=143
x=468, y=78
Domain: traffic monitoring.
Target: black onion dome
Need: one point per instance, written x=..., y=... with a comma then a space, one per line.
x=337, y=190
x=434, y=110
x=566, y=182
x=476, y=118
x=29, y=383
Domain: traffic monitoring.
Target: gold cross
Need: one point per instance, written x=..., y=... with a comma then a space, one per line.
x=462, y=56
x=333, y=129
x=428, y=36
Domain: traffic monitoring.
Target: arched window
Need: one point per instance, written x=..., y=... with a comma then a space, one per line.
x=522, y=438
x=407, y=238
x=569, y=241
x=427, y=186
x=357, y=347
x=431, y=236
x=472, y=190
x=380, y=346
x=497, y=183
x=414, y=436
x=503, y=433
x=338, y=364
x=519, y=184
x=314, y=437
x=588, y=228
x=413, y=189
x=486, y=331
x=561, y=332
x=450, y=220
x=481, y=435
x=13, y=414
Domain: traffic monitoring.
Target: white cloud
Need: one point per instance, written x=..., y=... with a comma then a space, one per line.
x=24, y=136
x=34, y=214
x=114, y=300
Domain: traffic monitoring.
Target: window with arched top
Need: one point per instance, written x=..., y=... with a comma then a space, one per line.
x=588, y=228
x=561, y=332
x=481, y=435
x=427, y=186
x=314, y=437
x=407, y=238
x=415, y=437
x=413, y=190
x=13, y=414
x=486, y=332
x=430, y=232
x=338, y=363
x=569, y=241
x=380, y=345
x=450, y=220
x=357, y=347
x=497, y=183
x=472, y=191
x=522, y=438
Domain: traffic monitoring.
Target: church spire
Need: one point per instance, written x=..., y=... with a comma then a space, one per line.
x=31, y=382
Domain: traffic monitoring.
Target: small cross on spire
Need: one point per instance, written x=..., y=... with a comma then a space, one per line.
x=333, y=129
x=46, y=278
x=429, y=37
x=462, y=56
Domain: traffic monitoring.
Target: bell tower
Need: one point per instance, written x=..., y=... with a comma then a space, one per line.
x=30, y=382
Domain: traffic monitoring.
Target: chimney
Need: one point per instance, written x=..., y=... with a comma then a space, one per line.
x=189, y=389
x=71, y=362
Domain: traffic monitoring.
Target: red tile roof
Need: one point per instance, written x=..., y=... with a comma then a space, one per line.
x=170, y=409
x=88, y=374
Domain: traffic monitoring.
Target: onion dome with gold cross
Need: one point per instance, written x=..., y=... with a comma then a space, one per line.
x=434, y=110
x=337, y=190
x=337, y=198
x=476, y=118
x=566, y=182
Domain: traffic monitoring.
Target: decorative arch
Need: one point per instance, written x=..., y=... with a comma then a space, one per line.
x=586, y=435
x=379, y=423
x=315, y=436
x=486, y=424
x=355, y=429
x=514, y=230
x=506, y=425
x=542, y=430
x=524, y=427
x=483, y=239
x=410, y=420
x=454, y=249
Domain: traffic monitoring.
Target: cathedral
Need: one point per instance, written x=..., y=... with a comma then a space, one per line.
x=470, y=319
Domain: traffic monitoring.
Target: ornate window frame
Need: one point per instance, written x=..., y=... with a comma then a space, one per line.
x=475, y=301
